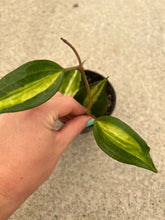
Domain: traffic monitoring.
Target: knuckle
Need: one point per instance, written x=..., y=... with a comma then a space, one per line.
x=71, y=99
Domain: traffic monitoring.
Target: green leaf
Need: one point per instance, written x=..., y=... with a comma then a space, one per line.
x=121, y=142
x=98, y=96
x=29, y=85
x=71, y=83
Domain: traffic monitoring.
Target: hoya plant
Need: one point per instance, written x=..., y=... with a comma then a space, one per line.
x=35, y=82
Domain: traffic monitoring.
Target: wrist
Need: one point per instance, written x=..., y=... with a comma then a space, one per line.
x=11, y=194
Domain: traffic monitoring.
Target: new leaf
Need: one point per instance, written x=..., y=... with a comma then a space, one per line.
x=98, y=96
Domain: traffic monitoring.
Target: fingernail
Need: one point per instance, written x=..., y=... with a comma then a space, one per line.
x=90, y=122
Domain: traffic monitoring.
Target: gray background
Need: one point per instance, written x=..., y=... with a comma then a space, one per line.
x=122, y=39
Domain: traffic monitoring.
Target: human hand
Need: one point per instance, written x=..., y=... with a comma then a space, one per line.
x=30, y=147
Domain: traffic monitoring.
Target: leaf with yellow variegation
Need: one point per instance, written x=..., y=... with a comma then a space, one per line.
x=121, y=142
x=98, y=97
x=70, y=83
x=30, y=85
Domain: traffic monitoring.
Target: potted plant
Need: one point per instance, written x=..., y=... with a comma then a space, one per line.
x=37, y=81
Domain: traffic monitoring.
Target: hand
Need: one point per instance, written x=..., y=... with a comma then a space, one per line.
x=30, y=147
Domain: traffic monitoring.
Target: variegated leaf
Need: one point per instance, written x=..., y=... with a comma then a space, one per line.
x=71, y=83
x=30, y=85
x=122, y=143
x=98, y=96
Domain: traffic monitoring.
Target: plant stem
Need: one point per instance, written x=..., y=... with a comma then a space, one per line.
x=70, y=68
x=81, y=69
x=91, y=115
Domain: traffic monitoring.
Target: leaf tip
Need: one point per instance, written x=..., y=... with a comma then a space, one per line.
x=154, y=169
x=151, y=165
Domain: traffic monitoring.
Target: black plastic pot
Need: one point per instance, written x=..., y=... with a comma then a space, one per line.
x=111, y=95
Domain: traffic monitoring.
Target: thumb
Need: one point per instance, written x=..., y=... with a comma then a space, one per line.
x=71, y=129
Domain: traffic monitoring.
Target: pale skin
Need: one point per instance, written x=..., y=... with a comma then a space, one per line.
x=30, y=148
